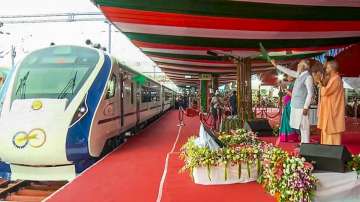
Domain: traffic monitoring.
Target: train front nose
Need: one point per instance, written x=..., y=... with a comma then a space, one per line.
x=34, y=132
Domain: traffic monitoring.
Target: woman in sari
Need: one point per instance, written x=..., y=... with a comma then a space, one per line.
x=287, y=134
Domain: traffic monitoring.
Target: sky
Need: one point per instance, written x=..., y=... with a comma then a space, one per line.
x=27, y=37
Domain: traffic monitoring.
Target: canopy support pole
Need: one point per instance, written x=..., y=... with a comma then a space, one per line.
x=203, y=95
x=214, y=82
x=248, y=93
x=244, y=94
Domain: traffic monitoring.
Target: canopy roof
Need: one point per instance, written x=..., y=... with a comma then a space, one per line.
x=177, y=34
x=348, y=60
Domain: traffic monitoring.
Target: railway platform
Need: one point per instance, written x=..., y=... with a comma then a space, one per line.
x=146, y=168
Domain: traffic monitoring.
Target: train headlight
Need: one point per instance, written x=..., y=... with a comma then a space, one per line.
x=79, y=113
x=82, y=109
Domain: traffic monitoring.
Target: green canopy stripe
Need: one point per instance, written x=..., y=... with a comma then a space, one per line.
x=244, y=43
x=218, y=58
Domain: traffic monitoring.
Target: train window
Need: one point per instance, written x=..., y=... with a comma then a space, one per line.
x=111, y=87
x=145, y=94
x=155, y=95
x=132, y=92
x=55, y=72
x=167, y=96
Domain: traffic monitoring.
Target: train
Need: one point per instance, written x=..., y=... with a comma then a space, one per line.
x=63, y=106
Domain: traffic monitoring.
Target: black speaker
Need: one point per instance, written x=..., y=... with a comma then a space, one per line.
x=259, y=126
x=326, y=157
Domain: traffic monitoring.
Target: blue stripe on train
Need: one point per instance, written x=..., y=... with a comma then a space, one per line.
x=77, y=137
x=5, y=171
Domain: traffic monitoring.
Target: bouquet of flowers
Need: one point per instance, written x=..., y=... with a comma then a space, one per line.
x=195, y=156
x=273, y=160
x=354, y=164
x=288, y=178
x=297, y=182
x=235, y=153
x=239, y=137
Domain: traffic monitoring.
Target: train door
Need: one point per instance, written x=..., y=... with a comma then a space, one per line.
x=111, y=108
x=162, y=97
x=107, y=116
x=121, y=92
x=138, y=97
x=128, y=107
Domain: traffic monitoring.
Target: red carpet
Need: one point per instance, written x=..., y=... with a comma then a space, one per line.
x=134, y=171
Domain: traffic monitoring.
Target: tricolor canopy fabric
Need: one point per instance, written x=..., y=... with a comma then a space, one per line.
x=177, y=34
x=349, y=61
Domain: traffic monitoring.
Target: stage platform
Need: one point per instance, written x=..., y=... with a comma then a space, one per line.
x=146, y=168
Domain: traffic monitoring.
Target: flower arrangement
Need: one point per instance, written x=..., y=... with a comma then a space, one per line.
x=239, y=137
x=297, y=182
x=230, y=123
x=354, y=164
x=287, y=177
x=273, y=160
x=234, y=153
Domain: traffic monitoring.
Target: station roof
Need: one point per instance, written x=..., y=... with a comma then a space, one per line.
x=177, y=34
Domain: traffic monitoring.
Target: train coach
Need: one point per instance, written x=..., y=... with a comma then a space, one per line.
x=62, y=106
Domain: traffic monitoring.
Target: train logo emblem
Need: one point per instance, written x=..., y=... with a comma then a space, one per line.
x=35, y=138
x=36, y=105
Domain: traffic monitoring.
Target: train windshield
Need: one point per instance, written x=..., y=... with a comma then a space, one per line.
x=55, y=72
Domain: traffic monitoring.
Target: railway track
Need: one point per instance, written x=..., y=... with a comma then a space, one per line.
x=27, y=191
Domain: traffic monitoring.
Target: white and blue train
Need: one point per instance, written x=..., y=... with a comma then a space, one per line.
x=61, y=105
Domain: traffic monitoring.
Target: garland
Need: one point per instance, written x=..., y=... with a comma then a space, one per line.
x=287, y=177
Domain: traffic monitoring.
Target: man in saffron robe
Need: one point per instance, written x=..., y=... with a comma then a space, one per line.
x=331, y=111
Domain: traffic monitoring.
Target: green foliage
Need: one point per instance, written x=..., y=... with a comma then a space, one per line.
x=354, y=164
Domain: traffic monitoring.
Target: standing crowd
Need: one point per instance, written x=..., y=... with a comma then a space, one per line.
x=221, y=106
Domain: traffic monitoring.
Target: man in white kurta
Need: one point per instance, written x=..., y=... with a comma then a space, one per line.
x=301, y=98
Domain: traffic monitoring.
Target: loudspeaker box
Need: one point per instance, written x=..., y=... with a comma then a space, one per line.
x=326, y=157
x=259, y=126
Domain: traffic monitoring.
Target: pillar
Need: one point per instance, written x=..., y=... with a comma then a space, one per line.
x=214, y=82
x=238, y=89
x=248, y=90
x=244, y=94
x=203, y=95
